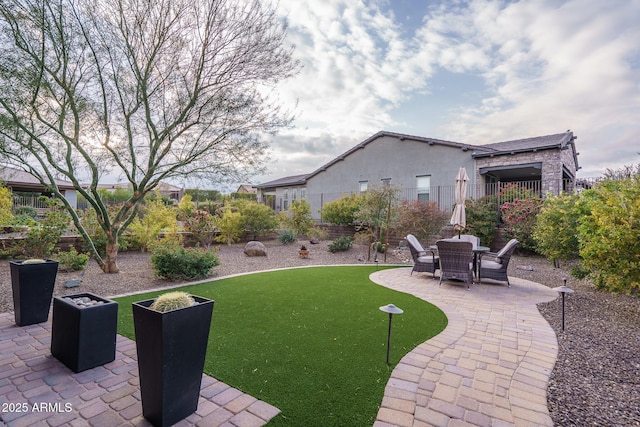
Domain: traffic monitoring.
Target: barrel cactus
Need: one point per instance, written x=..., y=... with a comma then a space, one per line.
x=172, y=301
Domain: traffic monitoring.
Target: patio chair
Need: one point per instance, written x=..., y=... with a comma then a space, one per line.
x=497, y=269
x=475, y=241
x=456, y=260
x=423, y=261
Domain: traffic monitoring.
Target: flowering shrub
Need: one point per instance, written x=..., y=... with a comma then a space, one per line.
x=519, y=217
x=201, y=224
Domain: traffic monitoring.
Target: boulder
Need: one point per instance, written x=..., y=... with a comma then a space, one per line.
x=255, y=248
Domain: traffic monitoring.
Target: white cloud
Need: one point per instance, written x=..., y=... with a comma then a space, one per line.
x=547, y=65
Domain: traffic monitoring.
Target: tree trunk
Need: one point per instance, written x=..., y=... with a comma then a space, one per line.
x=111, y=258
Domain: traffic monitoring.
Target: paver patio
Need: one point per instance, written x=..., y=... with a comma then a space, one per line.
x=489, y=367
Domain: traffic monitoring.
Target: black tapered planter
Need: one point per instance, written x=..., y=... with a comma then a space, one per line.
x=84, y=337
x=171, y=350
x=32, y=287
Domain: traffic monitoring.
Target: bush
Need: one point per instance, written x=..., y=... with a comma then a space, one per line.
x=519, y=219
x=482, y=218
x=175, y=262
x=155, y=216
x=608, y=234
x=423, y=220
x=71, y=260
x=257, y=219
x=342, y=211
x=201, y=224
x=299, y=217
x=41, y=239
x=341, y=244
x=6, y=205
x=556, y=230
x=229, y=225
x=287, y=236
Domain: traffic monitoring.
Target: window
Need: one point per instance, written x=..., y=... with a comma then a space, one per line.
x=386, y=181
x=363, y=186
x=285, y=197
x=423, y=185
x=294, y=194
x=303, y=193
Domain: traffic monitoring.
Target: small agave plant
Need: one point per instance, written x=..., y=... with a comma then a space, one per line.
x=172, y=301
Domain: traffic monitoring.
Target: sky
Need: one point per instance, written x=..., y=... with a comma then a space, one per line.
x=476, y=72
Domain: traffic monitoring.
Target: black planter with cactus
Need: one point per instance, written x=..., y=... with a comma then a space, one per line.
x=83, y=331
x=32, y=283
x=171, y=333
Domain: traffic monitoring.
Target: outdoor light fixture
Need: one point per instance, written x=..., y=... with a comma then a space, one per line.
x=563, y=290
x=391, y=309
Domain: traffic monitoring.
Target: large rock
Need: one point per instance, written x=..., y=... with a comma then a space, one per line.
x=255, y=248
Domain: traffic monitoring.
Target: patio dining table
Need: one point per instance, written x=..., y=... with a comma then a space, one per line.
x=476, y=254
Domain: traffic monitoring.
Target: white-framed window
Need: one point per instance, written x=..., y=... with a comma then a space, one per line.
x=364, y=185
x=386, y=181
x=303, y=193
x=294, y=194
x=423, y=185
x=285, y=200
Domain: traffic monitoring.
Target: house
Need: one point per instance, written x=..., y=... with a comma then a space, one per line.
x=165, y=189
x=246, y=189
x=26, y=188
x=425, y=169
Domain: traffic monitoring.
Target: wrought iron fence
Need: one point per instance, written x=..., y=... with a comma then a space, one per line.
x=444, y=195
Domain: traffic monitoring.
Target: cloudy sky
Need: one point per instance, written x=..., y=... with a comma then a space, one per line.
x=477, y=71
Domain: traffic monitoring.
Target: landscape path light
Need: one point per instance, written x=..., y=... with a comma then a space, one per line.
x=563, y=290
x=391, y=309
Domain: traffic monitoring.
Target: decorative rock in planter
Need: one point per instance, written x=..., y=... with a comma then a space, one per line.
x=83, y=333
x=32, y=284
x=171, y=348
x=255, y=248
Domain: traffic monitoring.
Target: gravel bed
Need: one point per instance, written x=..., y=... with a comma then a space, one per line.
x=595, y=381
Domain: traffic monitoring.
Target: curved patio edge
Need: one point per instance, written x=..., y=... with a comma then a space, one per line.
x=489, y=367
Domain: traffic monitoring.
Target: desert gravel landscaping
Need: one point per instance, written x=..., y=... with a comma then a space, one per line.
x=596, y=379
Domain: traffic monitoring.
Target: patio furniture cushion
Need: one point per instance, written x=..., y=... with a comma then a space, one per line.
x=497, y=269
x=423, y=261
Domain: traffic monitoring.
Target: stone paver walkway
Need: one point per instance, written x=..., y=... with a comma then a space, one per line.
x=489, y=367
x=38, y=390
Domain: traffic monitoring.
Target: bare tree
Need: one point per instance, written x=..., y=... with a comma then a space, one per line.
x=147, y=89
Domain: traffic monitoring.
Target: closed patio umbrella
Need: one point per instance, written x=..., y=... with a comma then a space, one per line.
x=458, y=219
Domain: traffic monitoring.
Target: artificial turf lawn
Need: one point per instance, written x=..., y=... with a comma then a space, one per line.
x=310, y=341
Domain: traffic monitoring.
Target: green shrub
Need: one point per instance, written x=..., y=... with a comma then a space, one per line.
x=298, y=217
x=174, y=262
x=6, y=205
x=482, y=218
x=155, y=216
x=556, y=229
x=423, y=220
x=229, y=225
x=257, y=219
x=25, y=212
x=42, y=238
x=342, y=211
x=341, y=244
x=608, y=234
x=287, y=236
x=71, y=260
x=519, y=219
